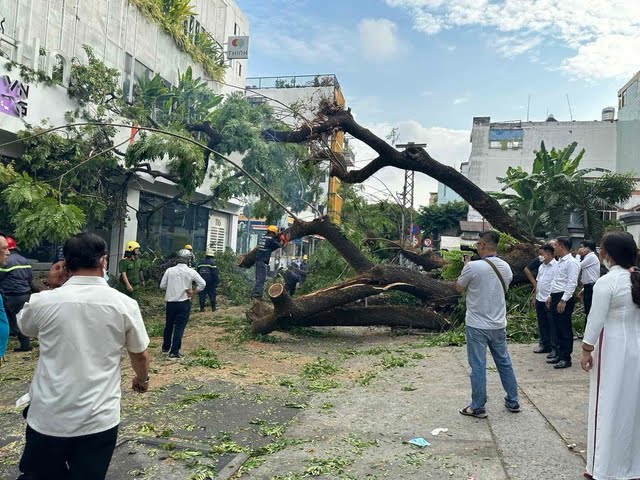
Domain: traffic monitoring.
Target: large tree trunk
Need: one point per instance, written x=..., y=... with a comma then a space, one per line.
x=343, y=304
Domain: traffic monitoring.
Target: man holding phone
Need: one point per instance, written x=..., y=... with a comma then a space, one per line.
x=82, y=326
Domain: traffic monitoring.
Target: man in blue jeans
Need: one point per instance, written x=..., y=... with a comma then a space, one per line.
x=486, y=282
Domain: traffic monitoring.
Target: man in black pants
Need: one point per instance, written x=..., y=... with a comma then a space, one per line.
x=590, y=268
x=82, y=326
x=178, y=282
x=16, y=284
x=546, y=273
x=561, y=301
x=268, y=243
x=208, y=270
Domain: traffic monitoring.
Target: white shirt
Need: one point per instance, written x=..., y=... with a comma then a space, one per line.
x=590, y=267
x=566, y=279
x=486, y=304
x=176, y=280
x=81, y=327
x=546, y=273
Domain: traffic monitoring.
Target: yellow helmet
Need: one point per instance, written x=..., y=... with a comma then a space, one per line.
x=304, y=257
x=272, y=229
x=132, y=245
x=188, y=247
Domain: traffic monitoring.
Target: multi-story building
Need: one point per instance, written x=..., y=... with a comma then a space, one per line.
x=44, y=34
x=496, y=146
x=447, y=194
x=302, y=94
x=628, y=147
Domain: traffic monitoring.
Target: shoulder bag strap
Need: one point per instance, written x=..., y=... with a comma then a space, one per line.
x=504, y=287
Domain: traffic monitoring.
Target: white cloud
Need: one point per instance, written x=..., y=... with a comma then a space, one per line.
x=448, y=146
x=378, y=39
x=604, y=34
x=459, y=100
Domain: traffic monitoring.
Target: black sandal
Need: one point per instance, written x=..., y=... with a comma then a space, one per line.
x=470, y=412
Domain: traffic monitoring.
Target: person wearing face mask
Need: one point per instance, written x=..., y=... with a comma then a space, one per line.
x=81, y=325
x=611, y=353
x=546, y=273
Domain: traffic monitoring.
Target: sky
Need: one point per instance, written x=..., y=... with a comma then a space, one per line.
x=427, y=67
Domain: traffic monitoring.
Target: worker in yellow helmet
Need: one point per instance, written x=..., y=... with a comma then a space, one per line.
x=130, y=270
x=192, y=261
x=268, y=243
x=304, y=268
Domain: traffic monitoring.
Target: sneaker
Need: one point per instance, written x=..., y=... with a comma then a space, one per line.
x=165, y=352
x=175, y=357
x=513, y=408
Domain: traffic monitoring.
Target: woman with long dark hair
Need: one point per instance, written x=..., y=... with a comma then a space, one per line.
x=611, y=352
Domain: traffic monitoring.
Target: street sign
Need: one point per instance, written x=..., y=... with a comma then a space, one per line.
x=238, y=48
x=427, y=242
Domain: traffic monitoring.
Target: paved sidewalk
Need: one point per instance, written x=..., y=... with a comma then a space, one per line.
x=362, y=436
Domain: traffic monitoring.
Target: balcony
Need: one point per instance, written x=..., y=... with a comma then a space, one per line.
x=297, y=81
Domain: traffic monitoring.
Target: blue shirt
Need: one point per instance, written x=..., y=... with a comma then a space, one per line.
x=4, y=328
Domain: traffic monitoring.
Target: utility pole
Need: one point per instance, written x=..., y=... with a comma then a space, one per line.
x=408, y=190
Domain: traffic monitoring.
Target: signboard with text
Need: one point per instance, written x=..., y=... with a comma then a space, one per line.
x=13, y=97
x=238, y=48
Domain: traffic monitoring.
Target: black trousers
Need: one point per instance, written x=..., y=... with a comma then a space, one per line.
x=67, y=458
x=563, y=326
x=15, y=303
x=588, y=297
x=546, y=330
x=209, y=291
x=177, y=317
x=261, y=277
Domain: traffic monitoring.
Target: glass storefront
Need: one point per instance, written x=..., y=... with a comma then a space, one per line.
x=172, y=226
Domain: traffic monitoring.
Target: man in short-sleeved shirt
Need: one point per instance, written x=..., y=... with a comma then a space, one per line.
x=82, y=326
x=486, y=282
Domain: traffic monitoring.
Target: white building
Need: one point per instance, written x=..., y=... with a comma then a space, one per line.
x=125, y=38
x=447, y=194
x=496, y=146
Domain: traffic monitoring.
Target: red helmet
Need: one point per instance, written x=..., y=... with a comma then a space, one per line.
x=11, y=243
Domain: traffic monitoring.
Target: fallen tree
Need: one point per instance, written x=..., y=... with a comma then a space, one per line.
x=344, y=304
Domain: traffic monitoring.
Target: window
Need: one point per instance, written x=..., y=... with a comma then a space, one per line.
x=239, y=69
x=173, y=225
x=609, y=215
x=141, y=71
x=128, y=70
x=254, y=101
x=506, y=144
x=236, y=29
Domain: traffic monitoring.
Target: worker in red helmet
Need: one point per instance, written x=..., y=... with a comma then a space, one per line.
x=16, y=284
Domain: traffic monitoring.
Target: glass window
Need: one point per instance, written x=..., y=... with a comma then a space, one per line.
x=173, y=225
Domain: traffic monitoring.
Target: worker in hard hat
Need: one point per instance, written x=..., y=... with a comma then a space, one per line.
x=130, y=270
x=268, y=243
x=192, y=262
x=178, y=282
x=208, y=270
x=304, y=268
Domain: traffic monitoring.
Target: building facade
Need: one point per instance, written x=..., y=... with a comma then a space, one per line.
x=447, y=194
x=48, y=34
x=496, y=146
x=303, y=94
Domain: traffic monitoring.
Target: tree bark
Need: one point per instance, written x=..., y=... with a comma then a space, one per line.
x=413, y=158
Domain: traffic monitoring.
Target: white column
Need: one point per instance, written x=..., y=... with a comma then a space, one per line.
x=124, y=230
x=233, y=232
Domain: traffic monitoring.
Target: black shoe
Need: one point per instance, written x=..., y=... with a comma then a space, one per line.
x=513, y=408
x=175, y=357
x=563, y=364
x=542, y=350
x=23, y=348
x=553, y=360
x=552, y=354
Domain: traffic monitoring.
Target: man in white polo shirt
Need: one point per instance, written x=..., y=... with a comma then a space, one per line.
x=178, y=282
x=486, y=282
x=72, y=421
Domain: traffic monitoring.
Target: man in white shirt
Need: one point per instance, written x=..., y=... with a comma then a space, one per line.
x=72, y=421
x=486, y=282
x=178, y=282
x=590, y=268
x=546, y=273
x=560, y=301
